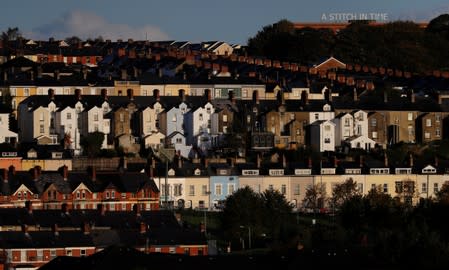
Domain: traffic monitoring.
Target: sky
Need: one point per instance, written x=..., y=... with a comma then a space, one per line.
x=233, y=21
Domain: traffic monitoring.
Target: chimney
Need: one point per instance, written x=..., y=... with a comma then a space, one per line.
x=93, y=173
x=101, y=209
x=208, y=95
x=39, y=72
x=130, y=93
x=55, y=229
x=5, y=175
x=25, y=230
x=78, y=94
x=355, y=94
x=12, y=170
x=156, y=94
x=86, y=227
x=182, y=95
x=412, y=97
x=51, y=94
x=231, y=96
x=179, y=158
x=65, y=172
x=304, y=97
x=84, y=71
x=104, y=93
x=56, y=75
x=36, y=172
x=124, y=75
x=65, y=209
x=143, y=227
x=136, y=210
x=29, y=207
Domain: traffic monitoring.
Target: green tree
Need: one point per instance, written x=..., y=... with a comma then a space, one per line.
x=11, y=34
x=315, y=197
x=91, y=143
x=277, y=215
x=343, y=192
x=242, y=208
x=439, y=26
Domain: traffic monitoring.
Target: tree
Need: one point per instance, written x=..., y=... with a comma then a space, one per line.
x=277, y=215
x=315, y=197
x=440, y=26
x=442, y=195
x=343, y=192
x=242, y=208
x=91, y=143
x=11, y=34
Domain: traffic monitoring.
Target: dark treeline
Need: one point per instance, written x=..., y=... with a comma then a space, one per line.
x=400, y=45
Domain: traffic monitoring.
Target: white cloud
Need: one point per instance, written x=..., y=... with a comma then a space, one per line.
x=85, y=24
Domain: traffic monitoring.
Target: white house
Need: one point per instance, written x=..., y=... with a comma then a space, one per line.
x=67, y=125
x=322, y=135
x=5, y=134
x=154, y=140
x=149, y=118
x=198, y=122
x=360, y=123
x=344, y=127
x=173, y=120
x=93, y=120
x=178, y=140
x=325, y=114
x=361, y=142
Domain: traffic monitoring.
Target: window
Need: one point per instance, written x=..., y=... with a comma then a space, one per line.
x=231, y=188
x=178, y=189
x=374, y=134
x=52, y=253
x=373, y=186
x=77, y=194
x=428, y=122
x=437, y=132
x=427, y=135
x=95, y=127
x=327, y=140
x=112, y=194
x=398, y=187
x=385, y=188
x=270, y=187
x=327, y=128
x=437, y=118
x=174, y=118
x=410, y=116
x=191, y=190
x=157, y=250
x=218, y=189
x=424, y=187
x=83, y=194
x=373, y=122
x=123, y=195
x=347, y=122
x=68, y=252
x=225, y=118
x=317, y=116
x=200, y=117
x=297, y=190
x=284, y=189
x=359, y=187
x=204, y=190
x=83, y=252
x=435, y=188
x=107, y=194
x=172, y=250
x=41, y=128
x=96, y=117
x=69, y=116
x=26, y=92
x=122, y=117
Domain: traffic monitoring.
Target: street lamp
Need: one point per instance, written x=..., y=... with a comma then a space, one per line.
x=249, y=236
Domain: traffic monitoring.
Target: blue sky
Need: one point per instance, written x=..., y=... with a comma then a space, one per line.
x=233, y=21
